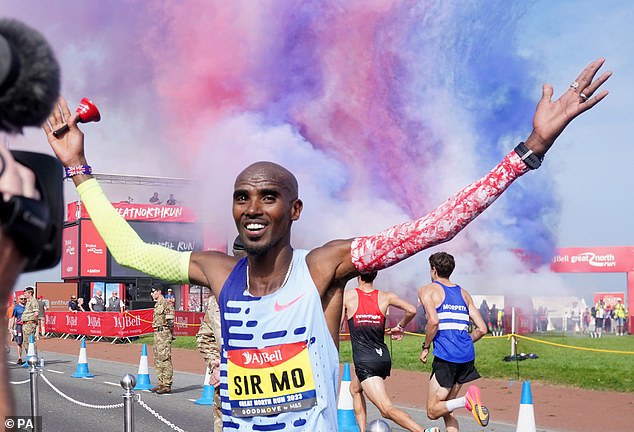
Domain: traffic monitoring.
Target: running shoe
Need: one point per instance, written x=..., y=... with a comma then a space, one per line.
x=432, y=429
x=473, y=404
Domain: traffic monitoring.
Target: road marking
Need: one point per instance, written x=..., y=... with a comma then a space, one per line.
x=192, y=400
x=111, y=383
x=55, y=371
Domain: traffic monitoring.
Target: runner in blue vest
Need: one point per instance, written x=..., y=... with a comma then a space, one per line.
x=449, y=309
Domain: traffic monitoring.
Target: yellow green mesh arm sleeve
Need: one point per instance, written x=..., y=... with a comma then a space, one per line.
x=125, y=245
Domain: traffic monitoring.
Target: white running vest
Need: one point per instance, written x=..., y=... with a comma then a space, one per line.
x=279, y=366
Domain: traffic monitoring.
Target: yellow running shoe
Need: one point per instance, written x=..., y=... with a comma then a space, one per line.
x=473, y=404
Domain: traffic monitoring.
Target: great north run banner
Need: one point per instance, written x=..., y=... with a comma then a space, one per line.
x=118, y=324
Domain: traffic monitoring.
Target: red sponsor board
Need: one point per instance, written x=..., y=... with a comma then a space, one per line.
x=93, y=251
x=70, y=252
x=593, y=259
x=114, y=324
x=139, y=212
x=609, y=298
x=187, y=323
x=107, y=324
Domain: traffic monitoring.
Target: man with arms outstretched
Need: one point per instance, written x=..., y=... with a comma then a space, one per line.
x=281, y=308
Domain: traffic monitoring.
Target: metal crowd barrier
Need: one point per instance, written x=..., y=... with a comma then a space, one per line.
x=128, y=381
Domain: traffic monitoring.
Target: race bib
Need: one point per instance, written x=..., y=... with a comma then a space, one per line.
x=270, y=380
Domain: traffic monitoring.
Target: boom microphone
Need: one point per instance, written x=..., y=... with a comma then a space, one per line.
x=29, y=77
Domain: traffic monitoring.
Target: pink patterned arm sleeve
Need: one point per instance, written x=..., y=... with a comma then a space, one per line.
x=376, y=252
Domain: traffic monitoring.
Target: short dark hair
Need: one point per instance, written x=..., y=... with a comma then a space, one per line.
x=368, y=277
x=29, y=288
x=156, y=287
x=443, y=263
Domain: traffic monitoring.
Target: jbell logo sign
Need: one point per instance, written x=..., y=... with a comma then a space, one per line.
x=118, y=321
x=51, y=320
x=127, y=321
x=181, y=322
x=71, y=320
x=132, y=321
x=94, y=322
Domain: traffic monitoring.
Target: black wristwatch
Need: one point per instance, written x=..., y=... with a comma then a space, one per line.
x=530, y=159
x=426, y=347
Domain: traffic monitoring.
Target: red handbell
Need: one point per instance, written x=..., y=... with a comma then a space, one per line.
x=87, y=111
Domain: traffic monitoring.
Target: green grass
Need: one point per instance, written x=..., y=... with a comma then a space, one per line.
x=593, y=370
x=187, y=342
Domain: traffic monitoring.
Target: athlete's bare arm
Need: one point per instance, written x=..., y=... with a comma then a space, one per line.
x=387, y=299
x=331, y=268
x=430, y=296
x=211, y=269
x=481, y=327
x=350, y=304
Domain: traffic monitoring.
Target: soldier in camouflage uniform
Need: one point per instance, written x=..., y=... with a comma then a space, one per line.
x=209, y=346
x=163, y=325
x=208, y=342
x=29, y=318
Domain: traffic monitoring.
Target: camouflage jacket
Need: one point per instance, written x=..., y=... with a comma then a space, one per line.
x=206, y=339
x=163, y=311
x=30, y=310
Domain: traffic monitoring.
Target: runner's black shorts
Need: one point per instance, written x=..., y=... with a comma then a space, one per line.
x=365, y=370
x=448, y=373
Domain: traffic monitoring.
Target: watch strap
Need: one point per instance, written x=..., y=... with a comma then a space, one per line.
x=531, y=160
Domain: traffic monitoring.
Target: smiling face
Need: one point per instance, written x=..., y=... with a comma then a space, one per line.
x=265, y=204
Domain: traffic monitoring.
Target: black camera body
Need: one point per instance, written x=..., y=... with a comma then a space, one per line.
x=36, y=225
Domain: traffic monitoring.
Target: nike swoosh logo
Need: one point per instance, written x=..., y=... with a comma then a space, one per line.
x=280, y=307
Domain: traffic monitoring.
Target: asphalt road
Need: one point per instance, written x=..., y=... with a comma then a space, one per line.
x=59, y=414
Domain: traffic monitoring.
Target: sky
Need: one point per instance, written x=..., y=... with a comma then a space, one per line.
x=382, y=109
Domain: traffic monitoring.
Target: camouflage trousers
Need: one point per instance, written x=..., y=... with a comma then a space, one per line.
x=217, y=410
x=28, y=329
x=163, y=357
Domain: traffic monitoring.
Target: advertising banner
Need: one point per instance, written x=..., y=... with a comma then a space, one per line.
x=139, y=212
x=609, y=298
x=70, y=252
x=93, y=250
x=187, y=323
x=114, y=324
x=593, y=259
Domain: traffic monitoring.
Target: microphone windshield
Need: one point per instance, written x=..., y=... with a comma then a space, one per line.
x=29, y=77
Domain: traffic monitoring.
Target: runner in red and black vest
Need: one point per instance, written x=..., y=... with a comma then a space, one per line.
x=365, y=307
